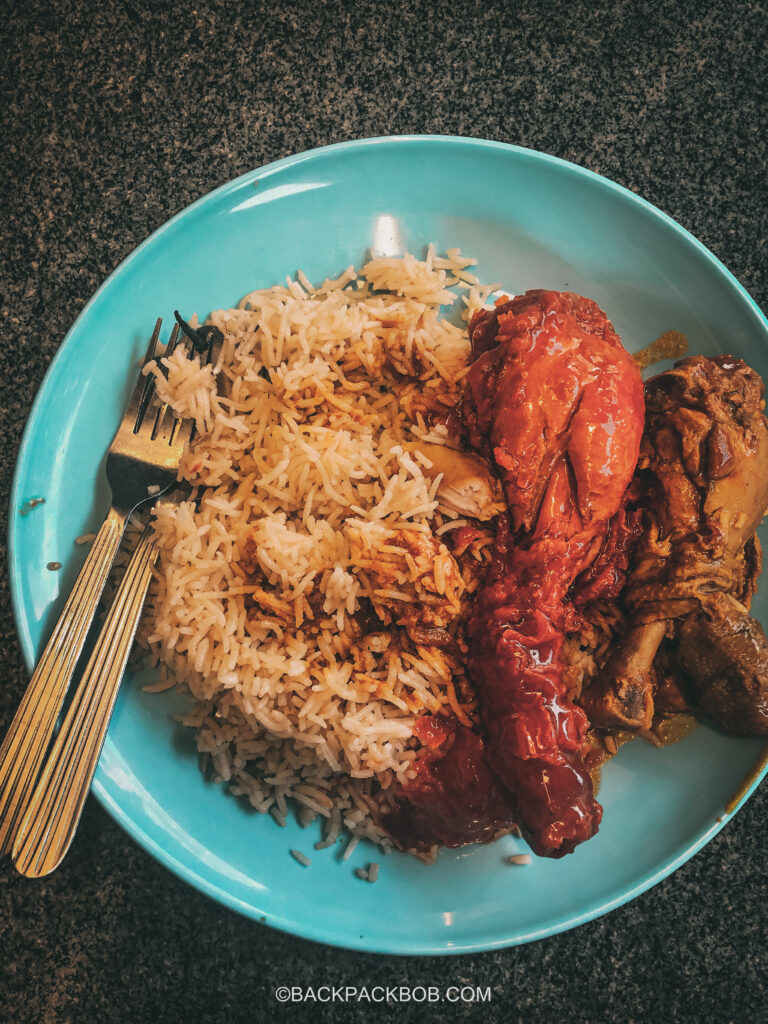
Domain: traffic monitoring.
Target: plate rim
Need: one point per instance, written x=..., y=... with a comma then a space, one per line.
x=291, y=925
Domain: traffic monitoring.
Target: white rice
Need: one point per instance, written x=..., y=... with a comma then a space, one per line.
x=520, y=859
x=307, y=502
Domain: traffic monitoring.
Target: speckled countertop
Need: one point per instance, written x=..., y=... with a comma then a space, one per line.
x=115, y=116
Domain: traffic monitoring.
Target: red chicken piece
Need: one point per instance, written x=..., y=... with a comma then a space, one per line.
x=556, y=402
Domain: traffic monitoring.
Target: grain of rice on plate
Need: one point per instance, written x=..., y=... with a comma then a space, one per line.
x=313, y=539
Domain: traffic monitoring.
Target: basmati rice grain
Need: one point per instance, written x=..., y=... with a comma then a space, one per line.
x=520, y=859
x=351, y=847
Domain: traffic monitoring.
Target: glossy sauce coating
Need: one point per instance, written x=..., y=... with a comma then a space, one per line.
x=455, y=797
x=555, y=401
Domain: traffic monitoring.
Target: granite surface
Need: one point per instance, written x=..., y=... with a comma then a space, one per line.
x=115, y=116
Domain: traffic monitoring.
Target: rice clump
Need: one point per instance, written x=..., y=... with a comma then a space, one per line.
x=313, y=536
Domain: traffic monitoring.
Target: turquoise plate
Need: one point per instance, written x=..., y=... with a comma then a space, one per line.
x=531, y=221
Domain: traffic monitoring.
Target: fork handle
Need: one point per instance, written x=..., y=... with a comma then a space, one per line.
x=49, y=825
x=24, y=747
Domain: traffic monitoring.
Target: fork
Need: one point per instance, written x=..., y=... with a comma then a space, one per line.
x=53, y=814
x=142, y=464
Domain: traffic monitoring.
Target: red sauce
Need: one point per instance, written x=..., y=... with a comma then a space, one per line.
x=455, y=797
x=557, y=403
x=433, y=730
x=462, y=538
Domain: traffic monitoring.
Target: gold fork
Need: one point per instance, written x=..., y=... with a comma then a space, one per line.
x=142, y=464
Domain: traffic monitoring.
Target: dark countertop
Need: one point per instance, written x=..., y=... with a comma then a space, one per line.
x=114, y=117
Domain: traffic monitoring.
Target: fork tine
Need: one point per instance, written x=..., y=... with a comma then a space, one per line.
x=169, y=350
x=173, y=342
x=149, y=379
x=152, y=343
x=181, y=432
x=176, y=431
